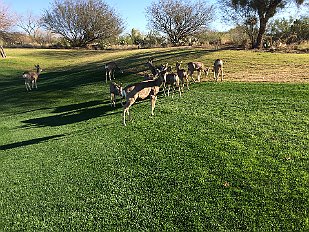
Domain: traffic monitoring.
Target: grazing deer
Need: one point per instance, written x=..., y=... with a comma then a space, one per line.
x=110, y=69
x=32, y=77
x=140, y=90
x=218, y=67
x=115, y=90
x=182, y=74
x=199, y=67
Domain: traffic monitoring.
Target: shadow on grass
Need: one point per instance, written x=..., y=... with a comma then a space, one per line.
x=28, y=142
x=59, y=84
x=72, y=113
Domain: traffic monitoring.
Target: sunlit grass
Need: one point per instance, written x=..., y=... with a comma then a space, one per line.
x=229, y=156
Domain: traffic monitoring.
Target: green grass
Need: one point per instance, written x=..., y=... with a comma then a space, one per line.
x=229, y=156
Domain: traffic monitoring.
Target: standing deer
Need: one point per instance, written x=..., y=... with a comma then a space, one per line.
x=170, y=79
x=199, y=67
x=110, y=69
x=115, y=90
x=32, y=77
x=153, y=69
x=182, y=74
x=140, y=90
x=218, y=67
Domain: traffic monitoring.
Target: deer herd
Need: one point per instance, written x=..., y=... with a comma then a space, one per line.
x=160, y=76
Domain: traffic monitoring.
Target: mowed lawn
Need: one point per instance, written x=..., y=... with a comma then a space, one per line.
x=230, y=156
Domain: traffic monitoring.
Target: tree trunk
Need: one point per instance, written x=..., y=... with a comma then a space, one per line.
x=262, y=29
x=2, y=52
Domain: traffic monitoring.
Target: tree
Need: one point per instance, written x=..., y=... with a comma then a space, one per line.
x=179, y=19
x=289, y=30
x=7, y=19
x=30, y=24
x=262, y=10
x=82, y=22
x=137, y=37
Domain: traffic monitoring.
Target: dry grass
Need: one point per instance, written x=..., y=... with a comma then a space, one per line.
x=252, y=66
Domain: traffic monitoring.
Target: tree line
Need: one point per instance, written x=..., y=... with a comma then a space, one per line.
x=80, y=23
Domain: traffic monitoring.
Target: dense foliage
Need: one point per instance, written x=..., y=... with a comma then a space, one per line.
x=255, y=14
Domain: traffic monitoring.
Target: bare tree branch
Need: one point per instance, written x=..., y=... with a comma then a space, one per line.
x=7, y=19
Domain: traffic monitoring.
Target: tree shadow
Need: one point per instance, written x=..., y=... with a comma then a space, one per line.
x=72, y=113
x=61, y=83
x=28, y=142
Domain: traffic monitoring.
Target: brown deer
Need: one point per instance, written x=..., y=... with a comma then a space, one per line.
x=199, y=67
x=140, y=90
x=218, y=67
x=32, y=77
x=115, y=90
x=170, y=79
x=182, y=74
x=110, y=69
x=153, y=69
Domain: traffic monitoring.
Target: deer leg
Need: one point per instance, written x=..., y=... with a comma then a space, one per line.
x=121, y=101
x=168, y=90
x=191, y=75
x=113, y=99
x=27, y=86
x=124, y=116
x=126, y=110
x=221, y=74
x=199, y=76
x=187, y=80
x=153, y=103
x=164, y=88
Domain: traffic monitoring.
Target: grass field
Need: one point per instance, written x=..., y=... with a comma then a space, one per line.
x=231, y=156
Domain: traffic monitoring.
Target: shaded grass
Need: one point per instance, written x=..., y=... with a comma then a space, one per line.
x=224, y=157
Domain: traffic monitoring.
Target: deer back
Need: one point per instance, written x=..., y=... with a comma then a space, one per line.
x=30, y=75
x=115, y=88
x=195, y=66
x=111, y=65
x=218, y=63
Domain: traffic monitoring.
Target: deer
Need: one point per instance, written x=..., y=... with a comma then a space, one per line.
x=199, y=67
x=170, y=79
x=182, y=74
x=32, y=77
x=110, y=69
x=218, y=67
x=115, y=90
x=153, y=69
x=140, y=90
